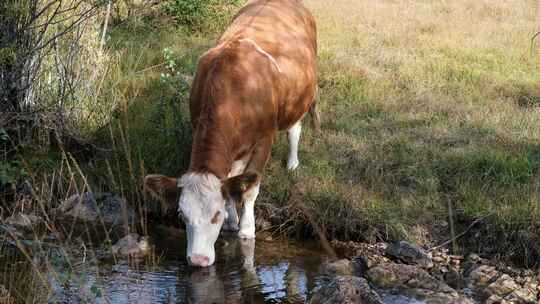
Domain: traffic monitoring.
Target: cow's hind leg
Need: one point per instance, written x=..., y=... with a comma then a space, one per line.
x=293, y=135
x=315, y=118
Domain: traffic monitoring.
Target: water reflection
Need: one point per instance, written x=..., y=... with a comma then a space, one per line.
x=245, y=272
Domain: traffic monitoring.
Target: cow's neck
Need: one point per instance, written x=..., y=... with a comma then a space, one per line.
x=212, y=150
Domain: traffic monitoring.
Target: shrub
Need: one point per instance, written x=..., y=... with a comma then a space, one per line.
x=209, y=15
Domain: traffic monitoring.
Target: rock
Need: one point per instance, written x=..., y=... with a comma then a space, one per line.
x=495, y=299
x=482, y=276
x=454, y=279
x=92, y=207
x=439, y=259
x=341, y=267
x=409, y=254
x=22, y=220
x=522, y=296
x=413, y=281
x=345, y=290
x=371, y=254
x=476, y=258
x=262, y=224
x=531, y=287
x=502, y=286
x=132, y=245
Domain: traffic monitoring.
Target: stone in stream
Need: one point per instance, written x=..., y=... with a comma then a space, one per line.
x=345, y=289
x=413, y=281
x=481, y=276
x=409, y=253
x=132, y=245
x=22, y=220
x=341, y=267
x=96, y=207
x=503, y=286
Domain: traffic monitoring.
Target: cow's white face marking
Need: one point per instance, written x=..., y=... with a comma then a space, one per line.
x=202, y=207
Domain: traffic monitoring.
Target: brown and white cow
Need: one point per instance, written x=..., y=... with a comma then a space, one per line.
x=260, y=79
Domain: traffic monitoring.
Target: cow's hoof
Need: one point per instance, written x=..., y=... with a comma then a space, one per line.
x=246, y=235
x=292, y=164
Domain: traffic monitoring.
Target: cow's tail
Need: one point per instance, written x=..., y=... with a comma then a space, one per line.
x=314, y=113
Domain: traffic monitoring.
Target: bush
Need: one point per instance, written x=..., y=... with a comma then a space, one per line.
x=200, y=15
x=51, y=67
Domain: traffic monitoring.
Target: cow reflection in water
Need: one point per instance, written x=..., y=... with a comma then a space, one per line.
x=207, y=286
x=244, y=285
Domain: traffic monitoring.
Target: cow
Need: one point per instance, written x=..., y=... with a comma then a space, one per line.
x=260, y=79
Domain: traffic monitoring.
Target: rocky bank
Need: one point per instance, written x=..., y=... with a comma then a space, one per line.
x=431, y=277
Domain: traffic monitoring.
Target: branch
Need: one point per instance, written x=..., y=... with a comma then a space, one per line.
x=532, y=41
x=459, y=235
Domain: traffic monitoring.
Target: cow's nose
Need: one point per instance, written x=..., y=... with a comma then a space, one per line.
x=198, y=260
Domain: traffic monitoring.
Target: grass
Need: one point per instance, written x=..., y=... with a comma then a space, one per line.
x=423, y=103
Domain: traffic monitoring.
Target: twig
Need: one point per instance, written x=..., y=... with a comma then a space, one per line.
x=150, y=68
x=459, y=235
x=532, y=41
x=105, y=25
x=318, y=229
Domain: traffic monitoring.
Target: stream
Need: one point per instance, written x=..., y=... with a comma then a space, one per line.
x=245, y=271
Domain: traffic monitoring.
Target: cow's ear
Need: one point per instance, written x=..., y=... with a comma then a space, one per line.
x=165, y=189
x=235, y=187
x=159, y=183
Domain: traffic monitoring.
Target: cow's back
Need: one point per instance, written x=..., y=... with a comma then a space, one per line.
x=286, y=31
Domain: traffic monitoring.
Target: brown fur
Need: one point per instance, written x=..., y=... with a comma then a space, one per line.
x=215, y=218
x=239, y=99
x=235, y=187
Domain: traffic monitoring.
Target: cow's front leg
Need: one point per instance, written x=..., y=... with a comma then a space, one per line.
x=247, y=221
x=250, y=190
x=231, y=222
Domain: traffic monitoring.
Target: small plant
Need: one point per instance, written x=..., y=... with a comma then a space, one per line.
x=170, y=64
x=10, y=172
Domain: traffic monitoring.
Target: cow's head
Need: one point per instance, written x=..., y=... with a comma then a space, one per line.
x=202, y=207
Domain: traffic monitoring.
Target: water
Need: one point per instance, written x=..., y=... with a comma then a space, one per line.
x=245, y=271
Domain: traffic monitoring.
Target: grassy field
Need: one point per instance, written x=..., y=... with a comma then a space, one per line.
x=425, y=106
